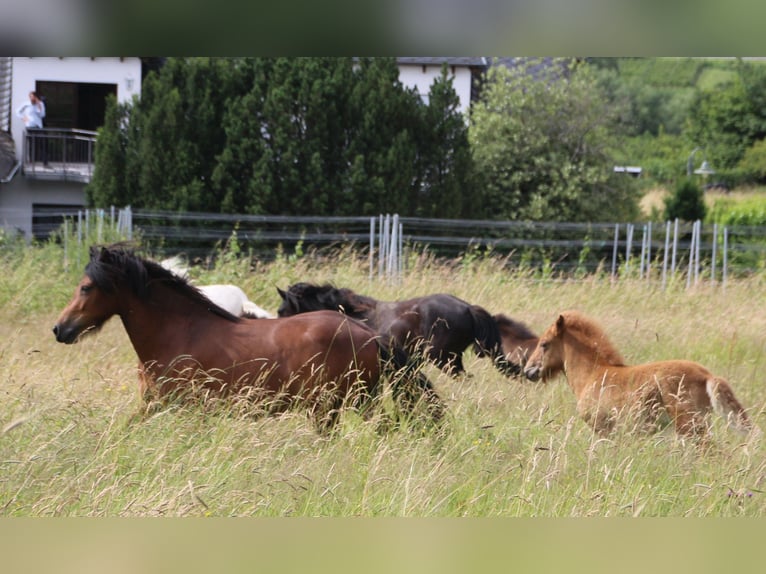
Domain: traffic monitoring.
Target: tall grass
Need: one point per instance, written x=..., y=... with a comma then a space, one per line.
x=69, y=445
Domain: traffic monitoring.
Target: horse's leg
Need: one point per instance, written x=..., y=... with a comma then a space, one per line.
x=597, y=417
x=412, y=389
x=603, y=423
x=455, y=363
x=326, y=417
x=149, y=402
x=689, y=422
x=507, y=366
x=450, y=363
x=647, y=409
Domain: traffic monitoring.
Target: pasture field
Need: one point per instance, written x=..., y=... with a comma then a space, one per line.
x=69, y=445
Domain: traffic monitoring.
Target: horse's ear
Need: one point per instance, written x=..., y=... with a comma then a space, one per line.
x=560, y=322
x=281, y=293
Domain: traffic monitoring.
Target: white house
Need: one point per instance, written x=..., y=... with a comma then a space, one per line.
x=42, y=180
x=466, y=74
x=75, y=92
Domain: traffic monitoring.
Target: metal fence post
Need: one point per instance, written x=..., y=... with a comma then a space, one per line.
x=372, y=245
x=665, y=254
x=725, y=255
x=713, y=256
x=648, y=250
x=614, y=249
x=675, y=247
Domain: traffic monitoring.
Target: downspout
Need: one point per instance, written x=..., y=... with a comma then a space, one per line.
x=12, y=173
x=6, y=75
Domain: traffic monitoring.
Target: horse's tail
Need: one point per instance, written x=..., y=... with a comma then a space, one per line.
x=724, y=403
x=250, y=309
x=488, y=343
x=409, y=384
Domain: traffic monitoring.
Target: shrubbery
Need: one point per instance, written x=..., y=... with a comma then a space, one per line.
x=686, y=202
x=750, y=211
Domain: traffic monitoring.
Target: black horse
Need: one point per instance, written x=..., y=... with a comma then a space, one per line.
x=440, y=326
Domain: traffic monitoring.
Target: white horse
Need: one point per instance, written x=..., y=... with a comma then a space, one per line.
x=229, y=297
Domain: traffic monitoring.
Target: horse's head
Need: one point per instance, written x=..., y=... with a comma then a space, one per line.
x=88, y=310
x=547, y=360
x=289, y=305
x=303, y=297
x=96, y=296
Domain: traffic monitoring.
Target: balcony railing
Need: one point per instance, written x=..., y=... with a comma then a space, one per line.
x=59, y=154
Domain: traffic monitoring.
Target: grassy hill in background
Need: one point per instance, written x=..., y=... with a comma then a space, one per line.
x=662, y=92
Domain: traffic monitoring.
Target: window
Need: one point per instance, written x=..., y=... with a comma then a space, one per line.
x=48, y=217
x=75, y=105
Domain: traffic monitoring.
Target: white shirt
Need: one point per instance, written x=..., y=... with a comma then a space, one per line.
x=32, y=114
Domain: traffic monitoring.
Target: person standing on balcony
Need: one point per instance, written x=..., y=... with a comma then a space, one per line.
x=33, y=114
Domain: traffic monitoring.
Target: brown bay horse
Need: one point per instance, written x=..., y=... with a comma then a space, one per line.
x=183, y=341
x=607, y=389
x=441, y=326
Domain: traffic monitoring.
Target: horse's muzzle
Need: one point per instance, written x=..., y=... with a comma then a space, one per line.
x=64, y=334
x=533, y=373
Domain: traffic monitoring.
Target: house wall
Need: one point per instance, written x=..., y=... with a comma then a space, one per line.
x=124, y=72
x=19, y=195
x=415, y=76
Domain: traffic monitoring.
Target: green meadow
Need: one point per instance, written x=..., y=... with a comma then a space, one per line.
x=70, y=444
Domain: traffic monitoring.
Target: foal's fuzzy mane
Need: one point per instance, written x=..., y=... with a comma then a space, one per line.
x=593, y=336
x=112, y=266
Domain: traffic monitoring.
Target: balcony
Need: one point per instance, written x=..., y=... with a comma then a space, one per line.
x=59, y=154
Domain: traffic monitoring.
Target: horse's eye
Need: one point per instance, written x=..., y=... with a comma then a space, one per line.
x=544, y=345
x=85, y=289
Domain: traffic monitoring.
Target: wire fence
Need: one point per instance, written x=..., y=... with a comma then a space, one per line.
x=651, y=251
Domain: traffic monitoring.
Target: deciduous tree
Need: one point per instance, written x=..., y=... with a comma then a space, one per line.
x=542, y=143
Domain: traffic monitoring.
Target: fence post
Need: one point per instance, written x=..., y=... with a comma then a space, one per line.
x=641, y=257
x=698, y=224
x=715, y=241
x=665, y=254
x=648, y=250
x=99, y=225
x=400, y=250
x=614, y=249
x=628, y=246
x=393, y=263
x=675, y=248
x=692, y=251
x=66, y=243
x=725, y=255
x=372, y=245
x=384, y=243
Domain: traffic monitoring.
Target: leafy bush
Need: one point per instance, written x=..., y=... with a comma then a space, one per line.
x=662, y=157
x=686, y=202
x=746, y=212
x=743, y=217
x=753, y=163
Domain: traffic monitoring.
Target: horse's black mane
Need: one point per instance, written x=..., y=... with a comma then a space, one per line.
x=112, y=266
x=313, y=297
